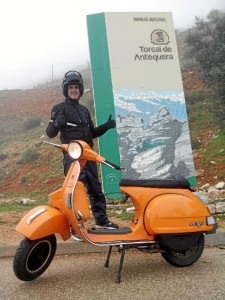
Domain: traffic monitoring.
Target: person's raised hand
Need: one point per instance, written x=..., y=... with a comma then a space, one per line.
x=60, y=120
x=110, y=122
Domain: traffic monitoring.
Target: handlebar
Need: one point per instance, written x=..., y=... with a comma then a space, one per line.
x=53, y=144
x=112, y=165
x=100, y=160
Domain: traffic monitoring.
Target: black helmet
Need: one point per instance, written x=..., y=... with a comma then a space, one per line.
x=70, y=78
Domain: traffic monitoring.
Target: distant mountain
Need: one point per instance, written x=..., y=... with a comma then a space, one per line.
x=146, y=104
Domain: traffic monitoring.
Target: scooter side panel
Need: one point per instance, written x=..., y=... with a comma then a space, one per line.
x=175, y=213
x=43, y=221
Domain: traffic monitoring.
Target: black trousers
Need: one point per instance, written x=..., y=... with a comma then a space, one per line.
x=89, y=176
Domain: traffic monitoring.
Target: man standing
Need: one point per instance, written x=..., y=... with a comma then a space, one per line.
x=73, y=121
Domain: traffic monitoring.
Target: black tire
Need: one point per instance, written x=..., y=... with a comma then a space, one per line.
x=32, y=258
x=187, y=257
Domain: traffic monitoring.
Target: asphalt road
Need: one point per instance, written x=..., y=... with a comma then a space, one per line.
x=144, y=276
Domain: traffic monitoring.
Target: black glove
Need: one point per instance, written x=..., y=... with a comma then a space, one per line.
x=110, y=123
x=60, y=121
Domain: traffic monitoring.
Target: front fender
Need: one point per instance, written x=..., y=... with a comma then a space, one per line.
x=43, y=221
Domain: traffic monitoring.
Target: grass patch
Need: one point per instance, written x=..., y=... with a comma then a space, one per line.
x=39, y=196
x=47, y=176
x=123, y=215
x=14, y=206
x=203, y=115
x=216, y=149
x=200, y=117
x=220, y=217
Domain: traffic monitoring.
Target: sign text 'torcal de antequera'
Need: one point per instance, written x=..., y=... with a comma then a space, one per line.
x=136, y=78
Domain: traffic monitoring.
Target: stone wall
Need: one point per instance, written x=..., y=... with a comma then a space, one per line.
x=213, y=197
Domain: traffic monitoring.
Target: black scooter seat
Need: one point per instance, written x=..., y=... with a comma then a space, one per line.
x=177, y=182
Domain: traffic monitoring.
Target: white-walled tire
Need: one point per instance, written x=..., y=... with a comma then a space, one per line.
x=33, y=257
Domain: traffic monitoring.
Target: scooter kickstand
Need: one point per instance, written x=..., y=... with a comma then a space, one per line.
x=122, y=253
x=106, y=265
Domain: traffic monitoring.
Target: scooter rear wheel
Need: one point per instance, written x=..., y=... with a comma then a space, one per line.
x=33, y=257
x=187, y=257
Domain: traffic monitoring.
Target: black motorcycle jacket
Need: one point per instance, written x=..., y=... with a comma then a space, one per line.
x=78, y=115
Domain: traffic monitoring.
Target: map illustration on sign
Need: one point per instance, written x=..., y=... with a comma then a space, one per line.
x=153, y=134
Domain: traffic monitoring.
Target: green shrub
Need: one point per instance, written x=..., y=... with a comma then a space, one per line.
x=194, y=96
x=29, y=156
x=24, y=179
x=32, y=123
x=195, y=143
x=3, y=156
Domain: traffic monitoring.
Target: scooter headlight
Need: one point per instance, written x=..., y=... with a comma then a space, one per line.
x=75, y=150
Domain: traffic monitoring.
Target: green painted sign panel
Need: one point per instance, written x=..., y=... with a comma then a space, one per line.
x=104, y=102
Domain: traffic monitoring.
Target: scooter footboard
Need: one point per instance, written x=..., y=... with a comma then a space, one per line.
x=175, y=213
x=43, y=221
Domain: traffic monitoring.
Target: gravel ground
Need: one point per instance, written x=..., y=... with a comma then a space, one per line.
x=144, y=276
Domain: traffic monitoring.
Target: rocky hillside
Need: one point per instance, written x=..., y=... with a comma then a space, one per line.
x=22, y=148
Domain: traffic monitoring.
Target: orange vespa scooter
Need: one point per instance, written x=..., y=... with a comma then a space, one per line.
x=169, y=218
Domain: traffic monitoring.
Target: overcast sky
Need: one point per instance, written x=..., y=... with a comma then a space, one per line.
x=36, y=34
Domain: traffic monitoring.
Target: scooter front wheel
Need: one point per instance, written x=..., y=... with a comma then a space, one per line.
x=33, y=257
x=187, y=257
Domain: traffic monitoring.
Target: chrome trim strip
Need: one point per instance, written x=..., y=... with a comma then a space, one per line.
x=118, y=243
x=34, y=215
x=81, y=215
x=75, y=180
